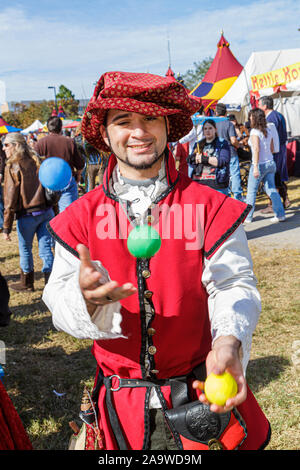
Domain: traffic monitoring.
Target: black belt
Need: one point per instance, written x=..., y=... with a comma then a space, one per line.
x=179, y=394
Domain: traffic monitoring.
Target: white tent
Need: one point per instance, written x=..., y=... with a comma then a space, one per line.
x=34, y=127
x=287, y=100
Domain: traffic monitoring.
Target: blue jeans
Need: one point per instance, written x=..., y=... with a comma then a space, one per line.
x=190, y=170
x=1, y=207
x=235, y=177
x=267, y=175
x=27, y=227
x=68, y=195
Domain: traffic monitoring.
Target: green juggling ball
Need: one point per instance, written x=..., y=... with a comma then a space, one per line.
x=143, y=241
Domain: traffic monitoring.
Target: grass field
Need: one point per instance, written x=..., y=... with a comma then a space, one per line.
x=42, y=362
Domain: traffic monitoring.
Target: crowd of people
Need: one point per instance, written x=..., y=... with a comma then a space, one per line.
x=24, y=198
x=216, y=150
x=137, y=311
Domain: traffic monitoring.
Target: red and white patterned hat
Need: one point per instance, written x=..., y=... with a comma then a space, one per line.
x=142, y=93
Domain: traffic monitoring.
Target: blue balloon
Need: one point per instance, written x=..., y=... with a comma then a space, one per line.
x=55, y=174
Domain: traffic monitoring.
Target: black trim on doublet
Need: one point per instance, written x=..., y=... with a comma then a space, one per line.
x=146, y=420
x=266, y=442
x=229, y=231
x=60, y=241
x=141, y=290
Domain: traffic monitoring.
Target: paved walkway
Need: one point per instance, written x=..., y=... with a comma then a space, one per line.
x=268, y=235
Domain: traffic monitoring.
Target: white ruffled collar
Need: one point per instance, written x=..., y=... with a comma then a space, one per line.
x=150, y=188
x=140, y=195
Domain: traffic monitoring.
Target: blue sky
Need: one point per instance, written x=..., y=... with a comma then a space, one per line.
x=73, y=42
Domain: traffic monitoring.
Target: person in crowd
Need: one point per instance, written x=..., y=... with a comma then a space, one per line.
x=24, y=197
x=210, y=159
x=2, y=166
x=226, y=131
x=263, y=167
x=266, y=103
x=96, y=164
x=58, y=145
x=201, y=296
x=5, y=311
x=82, y=183
x=232, y=118
x=242, y=132
x=31, y=140
x=195, y=134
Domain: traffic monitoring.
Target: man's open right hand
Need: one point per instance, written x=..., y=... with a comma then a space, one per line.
x=93, y=291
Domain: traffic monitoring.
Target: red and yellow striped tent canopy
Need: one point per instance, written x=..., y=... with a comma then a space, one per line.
x=6, y=128
x=223, y=72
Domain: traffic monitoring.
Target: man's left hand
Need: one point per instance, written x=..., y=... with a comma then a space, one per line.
x=224, y=356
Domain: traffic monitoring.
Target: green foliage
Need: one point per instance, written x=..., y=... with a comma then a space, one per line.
x=193, y=76
x=66, y=99
x=70, y=107
x=12, y=119
x=64, y=93
x=24, y=115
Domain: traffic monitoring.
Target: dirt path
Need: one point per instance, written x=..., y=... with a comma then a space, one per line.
x=268, y=235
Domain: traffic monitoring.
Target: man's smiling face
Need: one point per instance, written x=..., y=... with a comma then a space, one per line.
x=138, y=141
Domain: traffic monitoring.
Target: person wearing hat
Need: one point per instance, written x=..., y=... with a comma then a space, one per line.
x=162, y=321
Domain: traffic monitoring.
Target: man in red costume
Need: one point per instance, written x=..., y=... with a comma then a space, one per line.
x=159, y=324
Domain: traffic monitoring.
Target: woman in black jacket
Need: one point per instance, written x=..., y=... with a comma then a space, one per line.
x=210, y=159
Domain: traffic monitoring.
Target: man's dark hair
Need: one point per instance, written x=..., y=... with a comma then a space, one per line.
x=54, y=124
x=221, y=109
x=267, y=101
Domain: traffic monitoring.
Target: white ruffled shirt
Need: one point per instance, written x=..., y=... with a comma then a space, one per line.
x=233, y=300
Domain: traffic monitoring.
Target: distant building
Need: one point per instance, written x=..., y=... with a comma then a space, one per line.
x=4, y=108
x=12, y=104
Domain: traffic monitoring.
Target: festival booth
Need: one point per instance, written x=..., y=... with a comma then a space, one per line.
x=70, y=124
x=5, y=128
x=36, y=126
x=220, y=76
x=276, y=74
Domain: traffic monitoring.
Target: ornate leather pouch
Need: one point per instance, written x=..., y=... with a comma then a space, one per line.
x=199, y=428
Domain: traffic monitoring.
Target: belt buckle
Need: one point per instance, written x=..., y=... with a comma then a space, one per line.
x=119, y=387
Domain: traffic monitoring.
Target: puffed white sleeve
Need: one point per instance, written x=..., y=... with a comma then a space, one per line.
x=233, y=299
x=63, y=297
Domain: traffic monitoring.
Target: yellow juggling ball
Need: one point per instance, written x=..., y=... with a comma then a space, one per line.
x=218, y=388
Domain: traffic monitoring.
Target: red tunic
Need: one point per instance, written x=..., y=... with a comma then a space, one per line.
x=12, y=433
x=180, y=336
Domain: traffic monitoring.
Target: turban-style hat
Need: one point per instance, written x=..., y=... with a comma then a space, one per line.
x=142, y=93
